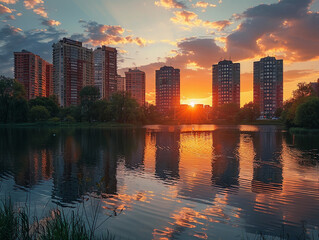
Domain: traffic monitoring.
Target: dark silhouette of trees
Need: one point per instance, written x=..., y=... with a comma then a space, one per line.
x=13, y=104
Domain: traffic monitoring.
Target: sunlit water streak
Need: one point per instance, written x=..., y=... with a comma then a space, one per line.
x=168, y=182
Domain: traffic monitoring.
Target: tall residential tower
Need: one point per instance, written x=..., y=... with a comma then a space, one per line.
x=135, y=85
x=105, y=70
x=72, y=70
x=34, y=73
x=268, y=85
x=167, y=89
x=226, y=83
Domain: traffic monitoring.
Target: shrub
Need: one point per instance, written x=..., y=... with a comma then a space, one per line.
x=39, y=113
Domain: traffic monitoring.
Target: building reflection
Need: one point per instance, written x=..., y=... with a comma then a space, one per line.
x=267, y=176
x=167, y=155
x=225, y=162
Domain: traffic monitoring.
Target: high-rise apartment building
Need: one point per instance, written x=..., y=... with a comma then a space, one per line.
x=33, y=73
x=105, y=70
x=72, y=70
x=121, y=83
x=135, y=85
x=167, y=89
x=268, y=85
x=226, y=83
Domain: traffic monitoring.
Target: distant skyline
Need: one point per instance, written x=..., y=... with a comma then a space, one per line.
x=190, y=35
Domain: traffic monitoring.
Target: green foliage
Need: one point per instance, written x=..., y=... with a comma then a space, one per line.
x=250, y=112
x=301, y=95
x=89, y=95
x=55, y=119
x=226, y=112
x=39, y=113
x=15, y=223
x=49, y=103
x=70, y=119
x=124, y=109
x=307, y=114
x=13, y=105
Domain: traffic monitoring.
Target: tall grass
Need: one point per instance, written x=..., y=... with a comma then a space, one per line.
x=16, y=223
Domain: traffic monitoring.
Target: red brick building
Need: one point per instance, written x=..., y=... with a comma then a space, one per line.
x=34, y=73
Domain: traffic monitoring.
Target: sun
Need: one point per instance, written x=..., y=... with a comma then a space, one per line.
x=192, y=104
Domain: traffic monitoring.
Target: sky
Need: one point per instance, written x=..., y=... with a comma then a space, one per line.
x=191, y=35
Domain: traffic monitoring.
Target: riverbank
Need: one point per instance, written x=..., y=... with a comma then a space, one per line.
x=48, y=124
x=304, y=131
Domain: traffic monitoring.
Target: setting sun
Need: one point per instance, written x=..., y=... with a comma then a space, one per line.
x=192, y=104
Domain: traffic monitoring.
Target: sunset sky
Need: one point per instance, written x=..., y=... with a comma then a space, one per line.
x=191, y=35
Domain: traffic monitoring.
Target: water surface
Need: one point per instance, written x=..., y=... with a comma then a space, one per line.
x=169, y=182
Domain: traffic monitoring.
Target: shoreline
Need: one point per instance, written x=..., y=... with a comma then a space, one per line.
x=48, y=124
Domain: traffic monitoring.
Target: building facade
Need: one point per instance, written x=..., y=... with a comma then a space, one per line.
x=315, y=87
x=34, y=73
x=135, y=85
x=167, y=89
x=121, y=83
x=226, y=83
x=105, y=70
x=268, y=85
x=72, y=70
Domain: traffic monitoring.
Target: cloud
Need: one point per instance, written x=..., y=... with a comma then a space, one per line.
x=190, y=19
x=10, y=17
x=9, y=1
x=30, y=4
x=15, y=39
x=41, y=11
x=202, y=4
x=51, y=22
x=98, y=34
x=4, y=9
x=287, y=28
x=170, y=4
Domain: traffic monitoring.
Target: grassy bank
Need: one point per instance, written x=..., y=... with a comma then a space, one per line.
x=16, y=223
x=304, y=131
x=68, y=125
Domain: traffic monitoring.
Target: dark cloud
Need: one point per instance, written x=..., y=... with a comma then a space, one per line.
x=98, y=34
x=287, y=26
x=37, y=41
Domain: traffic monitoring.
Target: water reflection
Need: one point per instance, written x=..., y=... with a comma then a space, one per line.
x=267, y=162
x=225, y=163
x=191, y=182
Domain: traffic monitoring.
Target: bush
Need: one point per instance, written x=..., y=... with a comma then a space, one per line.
x=70, y=119
x=307, y=114
x=55, y=119
x=39, y=113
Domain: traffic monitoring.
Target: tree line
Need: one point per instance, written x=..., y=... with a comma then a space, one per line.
x=121, y=108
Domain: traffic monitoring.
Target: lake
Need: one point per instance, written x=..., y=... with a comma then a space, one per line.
x=168, y=182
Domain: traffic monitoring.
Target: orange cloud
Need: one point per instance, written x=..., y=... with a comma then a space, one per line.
x=169, y=4
x=51, y=22
x=30, y=4
x=190, y=19
x=99, y=34
x=202, y=4
x=41, y=11
x=9, y=1
x=4, y=9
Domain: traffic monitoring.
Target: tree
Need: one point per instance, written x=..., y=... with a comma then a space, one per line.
x=250, y=112
x=39, y=113
x=307, y=114
x=49, y=103
x=304, y=90
x=13, y=105
x=124, y=109
x=227, y=112
x=89, y=95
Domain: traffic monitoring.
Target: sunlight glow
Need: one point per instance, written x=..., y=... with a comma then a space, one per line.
x=192, y=104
